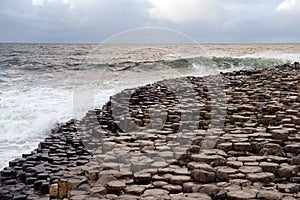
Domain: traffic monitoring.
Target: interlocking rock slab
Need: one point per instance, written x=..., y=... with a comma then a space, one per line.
x=241, y=195
x=265, y=177
x=104, y=156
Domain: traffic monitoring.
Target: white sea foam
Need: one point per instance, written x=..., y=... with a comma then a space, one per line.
x=27, y=116
x=285, y=57
x=203, y=70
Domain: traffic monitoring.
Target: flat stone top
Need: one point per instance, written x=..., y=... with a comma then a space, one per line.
x=241, y=194
x=116, y=184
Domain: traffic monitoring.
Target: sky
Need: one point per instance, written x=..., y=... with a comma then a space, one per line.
x=206, y=21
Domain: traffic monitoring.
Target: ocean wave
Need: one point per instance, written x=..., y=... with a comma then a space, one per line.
x=286, y=57
x=231, y=62
x=221, y=63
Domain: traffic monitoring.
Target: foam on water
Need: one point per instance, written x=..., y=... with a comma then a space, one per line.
x=27, y=116
x=203, y=70
x=285, y=57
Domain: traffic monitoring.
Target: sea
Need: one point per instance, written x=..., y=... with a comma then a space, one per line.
x=42, y=85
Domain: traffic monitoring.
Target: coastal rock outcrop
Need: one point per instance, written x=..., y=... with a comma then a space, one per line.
x=172, y=140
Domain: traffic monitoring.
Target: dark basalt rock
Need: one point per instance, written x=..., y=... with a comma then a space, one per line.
x=128, y=148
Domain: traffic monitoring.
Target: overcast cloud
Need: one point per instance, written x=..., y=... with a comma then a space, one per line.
x=207, y=21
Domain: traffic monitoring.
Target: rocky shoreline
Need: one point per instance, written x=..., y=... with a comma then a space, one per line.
x=172, y=140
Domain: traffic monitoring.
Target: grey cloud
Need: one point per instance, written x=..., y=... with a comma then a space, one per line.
x=95, y=20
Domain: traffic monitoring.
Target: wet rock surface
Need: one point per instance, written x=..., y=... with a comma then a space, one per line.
x=34, y=173
x=172, y=140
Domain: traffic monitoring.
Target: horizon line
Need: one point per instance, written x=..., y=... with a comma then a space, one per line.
x=204, y=43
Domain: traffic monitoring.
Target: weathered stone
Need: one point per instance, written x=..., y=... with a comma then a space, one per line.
x=269, y=166
x=288, y=198
x=30, y=180
x=240, y=182
x=37, y=184
x=269, y=195
x=239, y=118
x=156, y=193
x=111, y=196
x=20, y=197
x=159, y=164
x=272, y=148
x=250, y=169
x=73, y=183
x=224, y=172
x=292, y=148
x=108, y=172
x=123, y=175
x=181, y=171
x=174, y=189
x=107, y=145
x=142, y=177
x=264, y=177
x=135, y=189
x=98, y=190
x=198, y=165
x=234, y=164
x=295, y=160
x=267, y=119
x=203, y=176
x=191, y=196
x=232, y=187
x=276, y=159
x=111, y=166
x=45, y=187
x=191, y=187
x=287, y=171
x=227, y=146
x=246, y=159
x=76, y=193
x=237, y=176
x=240, y=195
x=79, y=197
x=179, y=180
x=252, y=164
x=160, y=178
x=280, y=134
x=159, y=184
x=209, y=159
x=42, y=176
x=242, y=146
x=115, y=187
x=288, y=188
x=209, y=189
x=128, y=197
